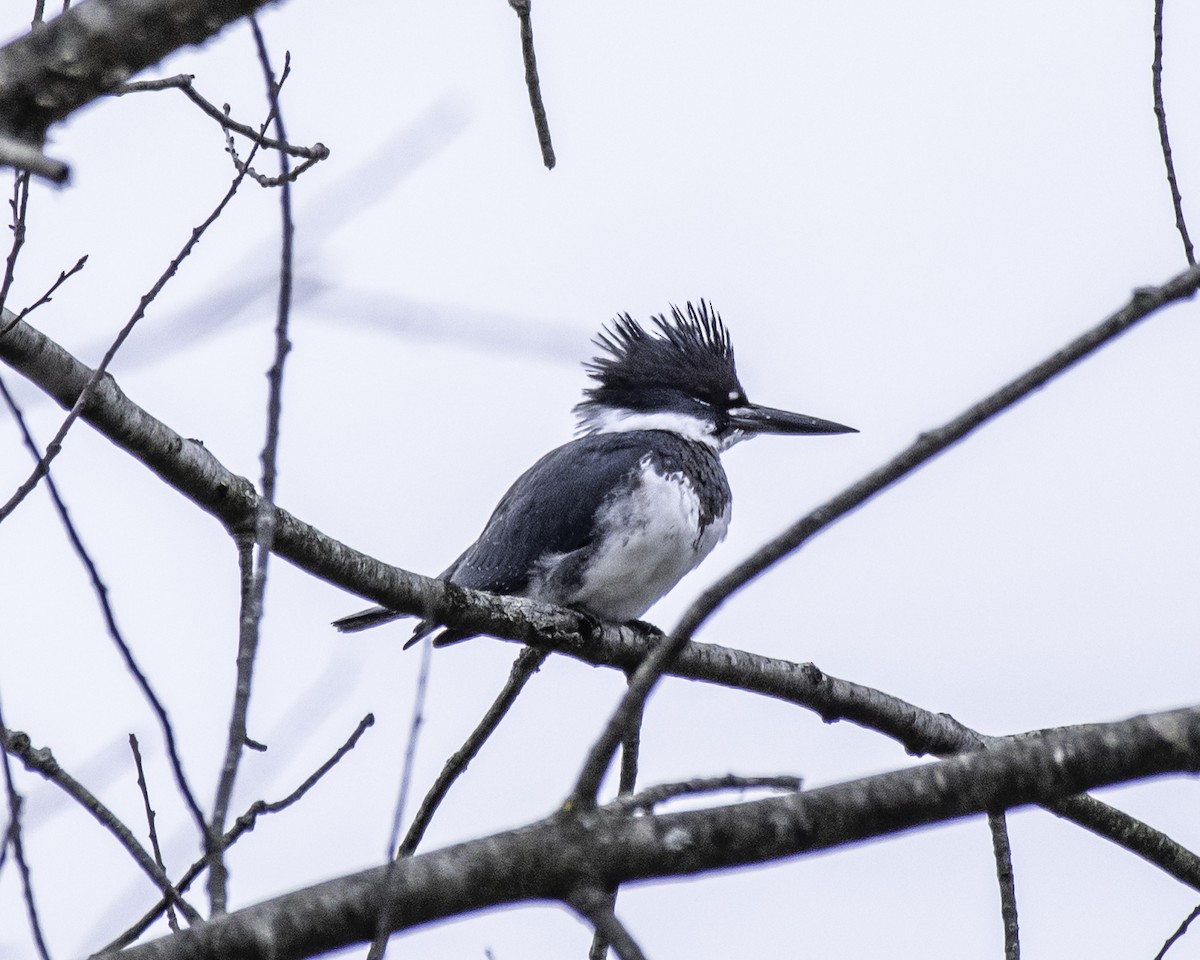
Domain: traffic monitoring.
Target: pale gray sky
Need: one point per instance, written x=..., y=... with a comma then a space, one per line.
x=896, y=208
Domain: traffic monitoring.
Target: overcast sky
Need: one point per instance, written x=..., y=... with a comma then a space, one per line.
x=896, y=208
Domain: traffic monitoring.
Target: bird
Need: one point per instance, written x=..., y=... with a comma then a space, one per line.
x=609, y=522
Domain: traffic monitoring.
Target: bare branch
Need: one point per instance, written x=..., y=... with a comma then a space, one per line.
x=532, y=83
x=1179, y=932
x=91, y=49
x=41, y=761
x=998, y=824
x=19, y=205
x=243, y=825
x=1160, y=114
x=551, y=858
x=650, y=798
x=596, y=906
x=525, y=666
x=183, y=82
x=13, y=839
x=631, y=745
x=63, y=277
x=172, y=922
x=190, y=468
x=379, y=943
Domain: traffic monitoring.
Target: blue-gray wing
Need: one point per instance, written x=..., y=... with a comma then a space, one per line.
x=551, y=508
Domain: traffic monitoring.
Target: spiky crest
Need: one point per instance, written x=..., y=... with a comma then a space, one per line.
x=690, y=354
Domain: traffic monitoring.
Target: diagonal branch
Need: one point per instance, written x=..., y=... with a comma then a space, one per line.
x=242, y=825
x=191, y=469
x=1144, y=302
x=524, y=667
x=42, y=762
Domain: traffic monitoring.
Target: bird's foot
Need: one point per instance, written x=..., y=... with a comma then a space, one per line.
x=592, y=627
x=647, y=628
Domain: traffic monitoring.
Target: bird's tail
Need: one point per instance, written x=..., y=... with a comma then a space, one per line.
x=364, y=619
x=377, y=616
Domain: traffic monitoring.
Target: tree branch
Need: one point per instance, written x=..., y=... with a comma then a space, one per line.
x=525, y=666
x=191, y=469
x=1164, y=139
x=550, y=859
x=532, y=83
x=927, y=446
x=41, y=761
x=94, y=47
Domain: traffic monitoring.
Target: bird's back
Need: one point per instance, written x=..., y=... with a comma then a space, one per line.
x=607, y=523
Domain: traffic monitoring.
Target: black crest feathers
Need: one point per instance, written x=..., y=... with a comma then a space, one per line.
x=688, y=353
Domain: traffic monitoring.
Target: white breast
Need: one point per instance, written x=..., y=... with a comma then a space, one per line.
x=654, y=538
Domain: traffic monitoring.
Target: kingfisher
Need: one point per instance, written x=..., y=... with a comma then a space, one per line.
x=608, y=523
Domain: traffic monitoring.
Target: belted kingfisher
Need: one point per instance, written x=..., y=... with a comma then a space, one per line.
x=611, y=521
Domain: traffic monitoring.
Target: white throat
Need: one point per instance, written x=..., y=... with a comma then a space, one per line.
x=616, y=420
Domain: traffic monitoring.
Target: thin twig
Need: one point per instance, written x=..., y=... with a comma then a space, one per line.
x=242, y=825
x=261, y=178
x=183, y=82
x=595, y=906
x=172, y=921
x=386, y=910
x=63, y=277
x=42, y=762
x=77, y=790
x=12, y=840
x=249, y=613
x=1160, y=114
x=648, y=799
x=928, y=445
x=631, y=743
x=254, y=562
x=1002, y=851
x=18, y=204
x=525, y=666
x=532, y=83
x=1179, y=932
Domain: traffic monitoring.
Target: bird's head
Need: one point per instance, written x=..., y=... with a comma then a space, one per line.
x=680, y=377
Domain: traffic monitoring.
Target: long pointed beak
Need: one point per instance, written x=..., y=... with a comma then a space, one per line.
x=755, y=419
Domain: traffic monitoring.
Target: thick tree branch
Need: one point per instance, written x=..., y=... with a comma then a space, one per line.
x=58, y=67
x=550, y=859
